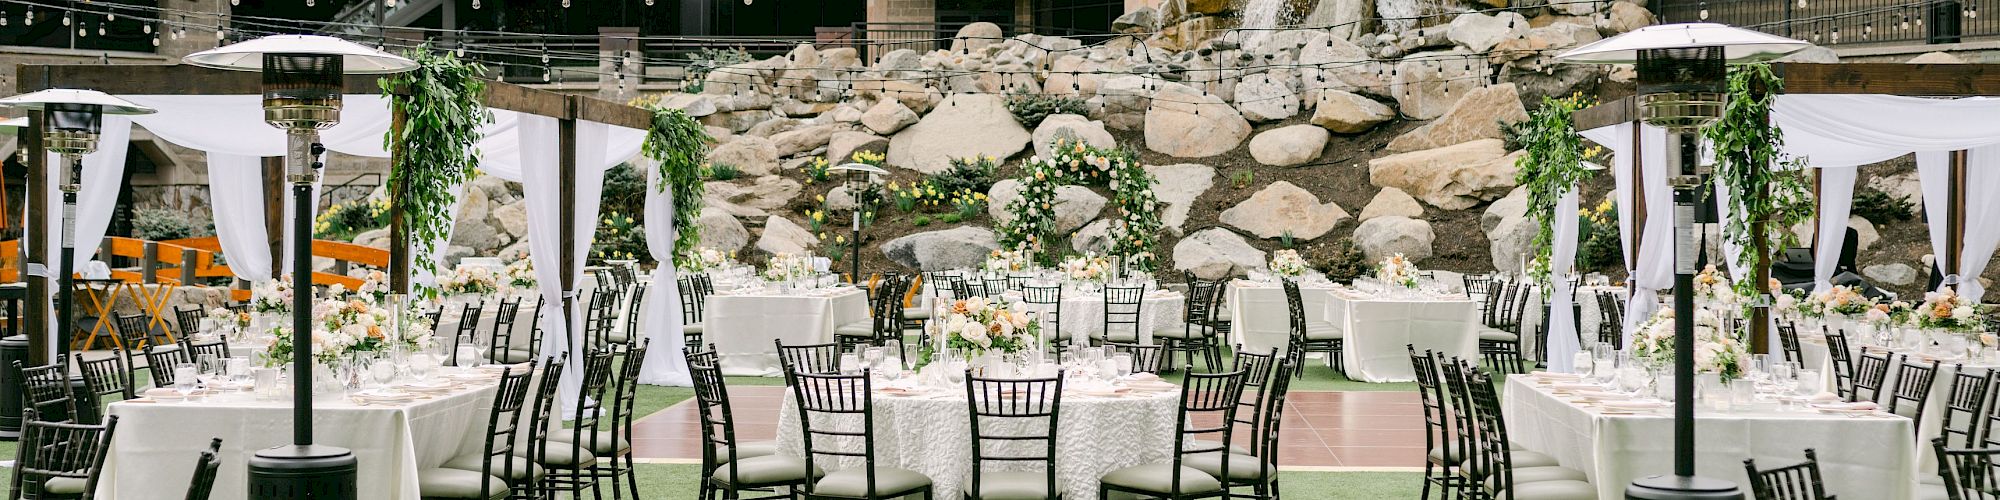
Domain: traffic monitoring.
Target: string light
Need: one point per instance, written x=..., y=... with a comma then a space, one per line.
x=475, y=4
x=147, y=28
x=100, y=28
x=1802, y=4
x=66, y=20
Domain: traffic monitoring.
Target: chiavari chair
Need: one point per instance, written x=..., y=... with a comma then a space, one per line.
x=1193, y=335
x=1031, y=403
x=495, y=470
x=1500, y=476
x=47, y=391
x=583, y=438
x=1799, y=481
x=1205, y=397
x=823, y=399
x=1145, y=358
x=1968, y=473
x=205, y=468
x=60, y=459
x=727, y=463
x=1122, y=313
x=1258, y=471
x=1310, y=336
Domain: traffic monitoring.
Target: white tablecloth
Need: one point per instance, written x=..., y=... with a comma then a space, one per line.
x=1083, y=313
x=1258, y=319
x=1812, y=346
x=1378, y=331
x=932, y=435
x=1871, y=457
x=1589, y=316
x=153, y=453
x=742, y=327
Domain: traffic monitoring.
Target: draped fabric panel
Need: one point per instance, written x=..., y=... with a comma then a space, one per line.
x=1651, y=268
x=1982, y=218
x=236, y=199
x=665, y=361
x=1563, y=342
x=541, y=150
x=1836, y=200
x=103, y=175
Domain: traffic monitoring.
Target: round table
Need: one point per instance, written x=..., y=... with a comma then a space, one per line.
x=931, y=434
x=1083, y=312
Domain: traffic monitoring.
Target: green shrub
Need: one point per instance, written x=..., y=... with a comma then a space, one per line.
x=702, y=62
x=619, y=237
x=1347, y=263
x=1242, y=179
x=625, y=191
x=339, y=222
x=1600, y=249
x=967, y=174
x=1511, y=134
x=1030, y=107
x=1879, y=206
x=163, y=224
x=723, y=172
x=921, y=221
x=950, y=218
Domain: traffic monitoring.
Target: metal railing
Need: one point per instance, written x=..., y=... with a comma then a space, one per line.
x=1847, y=22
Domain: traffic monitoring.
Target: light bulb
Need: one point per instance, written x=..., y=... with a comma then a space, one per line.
x=108, y=16
x=100, y=29
x=3, y=19
x=746, y=2
x=235, y=2
x=460, y=52
x=148, y=28
x=221, y=33
x=649, y=3
x=1802, y=4
x=66, y=20
x=156, y=40
x=565, y=4
x=310, y=3
x=82, y=32
x=475, y=4
x=1704, y=13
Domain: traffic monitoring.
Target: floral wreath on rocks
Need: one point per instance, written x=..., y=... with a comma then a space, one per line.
x=1134, y=228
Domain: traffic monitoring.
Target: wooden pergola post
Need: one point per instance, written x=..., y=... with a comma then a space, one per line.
x=399, y=227
x=566, y=219
x=1954, y=244
x=40, y=286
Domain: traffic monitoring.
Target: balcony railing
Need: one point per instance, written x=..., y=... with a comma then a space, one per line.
x=1847, y=22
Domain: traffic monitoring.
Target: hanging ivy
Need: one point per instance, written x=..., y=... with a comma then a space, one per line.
x=443, y=108
x=1764, y=185
x=678, y=146
x=1135, y=231
x=1552, y=165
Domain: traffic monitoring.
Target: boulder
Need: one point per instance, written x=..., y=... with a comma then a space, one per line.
x=1189, y=124
x=965, y=126
x=473, y=204
x=843, y=145
x=781, y=235
x=1289, y=146
x=1074, y=127
x=1216, y=253
x=695, y=105
x=1515, y=204
x=888, y=116
x=1284, y=209
x=1332, y=62
x=1539, y=44
x=1935, y=58
x=1264, y=97
x=1477, y=116
x=1551, y=80
x=1348, y=18
x=1899, y=185
x=736, y=122
x=1865, y=235
x=1142, y=20
x=1122, y=101
x=512, y=218
x=478, y=236
x=1381, y=237
x=913, y=95
x=721, y=231
x=377, y=238
x=1177, y=186
x=976, y=37
x=1392, y=201
x=956, y=248
x=1094, y=237
x=1510, y=240
x=1624, y=16
x=1898, y=274
x=753, y=200
x=1478, y=32
x=845, y=113
x=1399, y=15
x=1453, y=177
x=1075, y=205
x=1426, y=84
x=774, y=126
x=750, y=154
x=803, y=139
x=1349, y=113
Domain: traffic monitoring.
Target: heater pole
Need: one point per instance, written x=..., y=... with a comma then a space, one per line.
x=304, y=150
x=66, y=262
x=1684, y=263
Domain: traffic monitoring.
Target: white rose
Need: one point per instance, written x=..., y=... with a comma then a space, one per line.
x=1961, y=313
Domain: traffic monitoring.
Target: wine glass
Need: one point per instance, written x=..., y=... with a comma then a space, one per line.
x=382, y=370
x=849, y=364
x=421, y=363
x=1807, y=384
x=872, y=357
x=184, y=379
x=237, y=369
x=207, y=366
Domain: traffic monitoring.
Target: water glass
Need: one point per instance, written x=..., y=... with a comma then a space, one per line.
x=237, y=369
x=849, y=364
x=1123, y=364
x=184, y=379
x=382, y=371
x=1743, y=393
x=267, y=384
x=1760, y=367
x=1581, y=362
x=421, y=364
x=1807, y=384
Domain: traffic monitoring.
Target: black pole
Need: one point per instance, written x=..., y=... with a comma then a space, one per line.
x=302, y=293
x=854, y=249
x=66, y=262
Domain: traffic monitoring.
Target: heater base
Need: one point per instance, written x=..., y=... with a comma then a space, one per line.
x=1670, y=487
x=308, y=472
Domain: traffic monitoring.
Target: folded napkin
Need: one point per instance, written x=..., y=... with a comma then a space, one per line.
x=1824, y=397
x=1557, y=376
x=1141, y=377
x=168, y=392
x=1576, y=387
x=1857, y=405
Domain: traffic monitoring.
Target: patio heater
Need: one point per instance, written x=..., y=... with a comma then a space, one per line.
x=1683, y=71
x=303, y=80
x=71, y=121
x=859, y=176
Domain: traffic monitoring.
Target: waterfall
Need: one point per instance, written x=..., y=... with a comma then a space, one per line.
x=1259, y=16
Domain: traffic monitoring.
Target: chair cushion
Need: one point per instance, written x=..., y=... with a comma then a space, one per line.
x=691, y=329
x=1013, y=486
x=561, y=456
x=1551, y=490
x=616, y=337
x=1321, y=330
x=1243, y=468
x=747, y=449
x=856, y=329
x=1119, y=337
x=1496, y=335
x=1158, y=478
x=916, y=313
x=512, y=356
x=1929, y=490
x=1206, y=444
x=1538, y=474
x=600, y=442
x=457, y=483
x=519, y=471
x=1518, y=459
x=1446, y=454
x=889, y=482
x=63, y=486
x=1181, y=331
x=764, y=470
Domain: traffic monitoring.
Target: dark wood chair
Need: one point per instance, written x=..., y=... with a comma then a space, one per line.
x=1799, y=481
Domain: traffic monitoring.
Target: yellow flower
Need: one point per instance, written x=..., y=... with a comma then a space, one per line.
x=840, y=239
x=980, y=196
x=820, y=198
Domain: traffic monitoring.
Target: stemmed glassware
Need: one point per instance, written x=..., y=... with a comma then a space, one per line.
x=185, y=378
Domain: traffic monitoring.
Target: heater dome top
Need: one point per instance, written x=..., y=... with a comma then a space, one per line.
x=249, y=55
x=1739, y=45
x=42, y=99
x=861, y=167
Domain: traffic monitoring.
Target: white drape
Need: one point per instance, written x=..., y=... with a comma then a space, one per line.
x=103, y=175
x=1836, y=199
x=236, y=198
x=1652, y=268
x=540, y=149
x=1562, y=335
x=665, y=362
x=1982, y=218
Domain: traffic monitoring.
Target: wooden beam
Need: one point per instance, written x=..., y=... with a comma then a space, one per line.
x=40, y=287
x=1607, y=113
x=1942, y=80
x=566, y=143
x=602, y=111
x=182, y=79
x=1638, y=208
x=500, y=95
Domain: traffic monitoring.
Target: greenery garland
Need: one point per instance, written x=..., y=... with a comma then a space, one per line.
x=443, y=108
x=1764, y=185
x=1553, y=165
x=678, y=144
x=1135, y=231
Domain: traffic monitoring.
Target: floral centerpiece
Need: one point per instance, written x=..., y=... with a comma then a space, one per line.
x=374, y=287
x=1008, y=261
x=1889, y=314
x=222, y=316
x=1949, y=312
x=704, y=259
x=1712, y=285
x=469, y=280
x=272, y=296
x=1398, y=271
x=1288, y=263
x=788, y=267
x=345, y=328
x=1839, y=300
x=1090, y=268
x=976, y=326
x=1716, y=350
x=519, y=276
